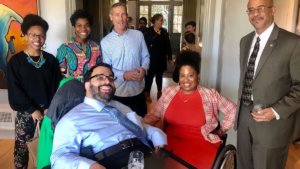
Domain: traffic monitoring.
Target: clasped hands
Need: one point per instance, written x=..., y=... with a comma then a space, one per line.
x=137, y=74
x=264, y=115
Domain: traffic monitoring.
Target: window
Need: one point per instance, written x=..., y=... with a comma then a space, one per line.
x=177, y=19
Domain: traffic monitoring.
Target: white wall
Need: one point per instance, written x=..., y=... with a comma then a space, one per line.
x=54, y=12
x=132, y=10
x=286, y=14
x=236, y=25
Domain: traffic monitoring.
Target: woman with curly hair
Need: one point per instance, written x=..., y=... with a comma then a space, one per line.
x=33, y=77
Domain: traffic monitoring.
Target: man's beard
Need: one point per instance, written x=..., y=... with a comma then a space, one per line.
x=100, y=96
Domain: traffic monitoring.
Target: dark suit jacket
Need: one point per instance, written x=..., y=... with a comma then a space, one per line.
x=276, y=83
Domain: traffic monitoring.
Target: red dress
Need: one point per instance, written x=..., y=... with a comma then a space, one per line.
x=184, y=118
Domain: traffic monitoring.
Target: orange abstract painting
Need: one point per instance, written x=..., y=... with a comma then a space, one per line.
x=12, y=41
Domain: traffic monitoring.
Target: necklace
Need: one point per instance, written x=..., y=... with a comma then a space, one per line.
x=37, y=64
x=186, y=97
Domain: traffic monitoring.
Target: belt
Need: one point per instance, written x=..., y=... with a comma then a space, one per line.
x=123, y=145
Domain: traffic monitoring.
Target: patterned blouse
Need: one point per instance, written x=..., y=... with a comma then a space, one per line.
x=213, y=102
x=74, y=62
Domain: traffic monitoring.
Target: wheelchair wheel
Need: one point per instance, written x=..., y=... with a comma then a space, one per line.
x=226, y=159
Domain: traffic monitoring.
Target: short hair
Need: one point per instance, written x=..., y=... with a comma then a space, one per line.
x=143, y=19
x=193, y=23
x=155, y=17
x=190, y=37
x=189, y=58
x=118, y=4
x=89, y=73
x=80, y=13
x=33, y=20
x=129, y=19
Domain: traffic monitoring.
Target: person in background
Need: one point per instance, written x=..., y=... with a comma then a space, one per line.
x=190, y=46
x=159, y=46
x=77, y=56
x=33, y=77
x=142, y=25
x=129, y=22
x=98, y=125
x=189, y=114
x=190, y=27
x=190, y=39
x=126, y=51
x=270, y=75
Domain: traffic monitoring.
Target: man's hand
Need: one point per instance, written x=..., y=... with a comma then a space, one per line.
x=136, y=74
x=141, y=72
x=97, y=166
x=37, y=116
x=157, y=148
x=264, y=115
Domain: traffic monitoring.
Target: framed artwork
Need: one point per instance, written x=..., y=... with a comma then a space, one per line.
x=12, y=41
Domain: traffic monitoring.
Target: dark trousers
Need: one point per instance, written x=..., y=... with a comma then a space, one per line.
x=24, y=131
x=149, y=79
x=251, y=154
x=136, y=103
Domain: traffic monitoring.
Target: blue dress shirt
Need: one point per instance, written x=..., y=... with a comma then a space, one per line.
x=126, y=52
x=85, y=125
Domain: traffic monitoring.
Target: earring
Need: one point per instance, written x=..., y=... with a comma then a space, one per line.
x=44, y=46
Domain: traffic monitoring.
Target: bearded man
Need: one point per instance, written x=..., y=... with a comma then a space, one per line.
x=100, y=130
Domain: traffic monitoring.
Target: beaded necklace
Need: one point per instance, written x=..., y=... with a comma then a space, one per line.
x=36, y=64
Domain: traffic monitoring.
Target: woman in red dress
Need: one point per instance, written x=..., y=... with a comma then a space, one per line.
x=188, y=113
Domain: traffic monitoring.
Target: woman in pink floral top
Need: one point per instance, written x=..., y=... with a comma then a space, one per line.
x=77, y=56
x=189, y=114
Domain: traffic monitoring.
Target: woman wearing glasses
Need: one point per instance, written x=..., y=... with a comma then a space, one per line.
x=33, y=77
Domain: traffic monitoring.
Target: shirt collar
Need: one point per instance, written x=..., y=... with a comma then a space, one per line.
x=116, y=34
x=266, y=34
x=73, y=39
x=94, y=103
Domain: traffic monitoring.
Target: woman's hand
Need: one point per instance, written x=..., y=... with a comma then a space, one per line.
x=37, y=116
x=45, y=111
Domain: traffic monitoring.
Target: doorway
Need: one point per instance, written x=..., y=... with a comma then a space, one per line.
x=172, y=11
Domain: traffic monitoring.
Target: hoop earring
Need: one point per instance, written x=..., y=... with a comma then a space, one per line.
x=44, y=46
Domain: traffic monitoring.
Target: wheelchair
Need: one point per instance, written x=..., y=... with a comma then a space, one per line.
x=226, y=156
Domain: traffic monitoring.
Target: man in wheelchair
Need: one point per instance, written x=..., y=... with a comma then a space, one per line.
x=101, y=132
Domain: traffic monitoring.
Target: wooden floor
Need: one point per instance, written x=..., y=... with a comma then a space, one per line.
x=6, y=154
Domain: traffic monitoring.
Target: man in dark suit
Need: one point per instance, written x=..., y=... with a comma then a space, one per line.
x=270, y=75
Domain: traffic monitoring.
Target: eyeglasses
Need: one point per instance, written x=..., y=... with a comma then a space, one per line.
x=35, y=36
x=102, y=77
x=259, y=10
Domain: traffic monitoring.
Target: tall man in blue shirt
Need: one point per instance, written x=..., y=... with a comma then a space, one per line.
x=126, y=51
x=91, y=124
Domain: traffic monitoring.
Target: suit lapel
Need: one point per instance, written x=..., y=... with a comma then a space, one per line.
x=271, y=44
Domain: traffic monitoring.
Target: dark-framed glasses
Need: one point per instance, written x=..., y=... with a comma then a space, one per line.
x=102, y=77
x=35, y=36
x=259, y=9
